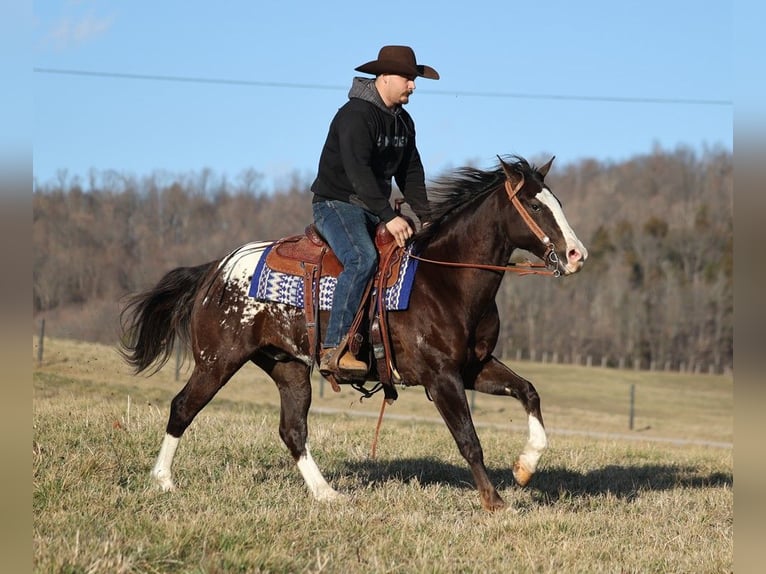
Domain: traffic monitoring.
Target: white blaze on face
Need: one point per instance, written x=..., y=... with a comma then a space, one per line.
x=572, y=242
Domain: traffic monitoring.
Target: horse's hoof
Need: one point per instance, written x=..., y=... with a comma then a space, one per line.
x=164, y=483
x=165, y=486
x=494, y=506
x=330, y=495
x=521, y=474
x=492, y=502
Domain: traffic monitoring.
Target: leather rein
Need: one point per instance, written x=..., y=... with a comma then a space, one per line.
x=550, y=265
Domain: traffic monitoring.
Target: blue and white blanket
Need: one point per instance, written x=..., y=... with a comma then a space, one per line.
x=270, y=285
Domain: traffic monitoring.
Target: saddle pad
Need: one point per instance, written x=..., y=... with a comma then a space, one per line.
x=270, y=285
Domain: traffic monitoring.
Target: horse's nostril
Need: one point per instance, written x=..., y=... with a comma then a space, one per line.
x=575, y=255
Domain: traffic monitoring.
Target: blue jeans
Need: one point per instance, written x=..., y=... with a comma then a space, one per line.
x=348, y=229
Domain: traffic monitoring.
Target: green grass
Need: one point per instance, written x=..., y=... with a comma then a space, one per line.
x=597, y=504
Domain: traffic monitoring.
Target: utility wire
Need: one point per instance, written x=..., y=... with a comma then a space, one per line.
x=296, y=86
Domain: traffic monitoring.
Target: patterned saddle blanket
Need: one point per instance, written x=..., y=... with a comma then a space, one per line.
x=280, y=279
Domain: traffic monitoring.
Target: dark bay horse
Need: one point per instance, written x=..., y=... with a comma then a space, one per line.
x=444, y=341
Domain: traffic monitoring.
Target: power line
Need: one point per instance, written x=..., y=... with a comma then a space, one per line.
x=187, y=79
x=465, y=94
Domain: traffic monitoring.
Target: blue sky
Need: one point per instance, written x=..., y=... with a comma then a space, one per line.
x=177, y=87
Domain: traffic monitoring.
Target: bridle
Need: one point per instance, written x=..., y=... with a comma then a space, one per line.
x=550, y=265
x=549, y=257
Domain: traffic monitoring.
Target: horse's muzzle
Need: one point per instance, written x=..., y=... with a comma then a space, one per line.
x=574, y=262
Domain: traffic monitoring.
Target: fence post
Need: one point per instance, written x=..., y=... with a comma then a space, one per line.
x=40, y=343
x=632, y=405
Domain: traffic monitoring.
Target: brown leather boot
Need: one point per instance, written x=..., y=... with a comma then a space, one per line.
x=330, y=363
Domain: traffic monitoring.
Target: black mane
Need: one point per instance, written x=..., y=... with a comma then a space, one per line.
x=450, y=194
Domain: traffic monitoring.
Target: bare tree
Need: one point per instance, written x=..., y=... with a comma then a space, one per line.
x=656, y=289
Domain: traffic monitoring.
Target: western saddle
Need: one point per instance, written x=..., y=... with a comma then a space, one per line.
x=310, y=257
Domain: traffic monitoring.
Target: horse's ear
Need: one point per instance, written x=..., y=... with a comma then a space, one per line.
x=544, y=170
x=516, y=179
x=506, y=167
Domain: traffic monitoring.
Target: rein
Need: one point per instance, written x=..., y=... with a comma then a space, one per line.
x=551, y=260
x=520, y=268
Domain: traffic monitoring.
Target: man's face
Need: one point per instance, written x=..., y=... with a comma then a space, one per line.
x=395, y=89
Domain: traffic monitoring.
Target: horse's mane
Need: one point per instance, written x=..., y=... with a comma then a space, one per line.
x=449, y=195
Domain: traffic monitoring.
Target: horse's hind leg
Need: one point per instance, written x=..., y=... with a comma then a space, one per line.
x=294, y=384
x=495, y=378
x=202, y=386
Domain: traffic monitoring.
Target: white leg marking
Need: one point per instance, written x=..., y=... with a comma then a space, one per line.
x=314, y=479
x=161, y=471
x=535, y=446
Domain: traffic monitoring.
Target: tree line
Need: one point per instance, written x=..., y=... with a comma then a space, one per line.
x=657, y=288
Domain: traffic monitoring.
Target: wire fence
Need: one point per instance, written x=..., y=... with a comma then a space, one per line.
x=637, y=364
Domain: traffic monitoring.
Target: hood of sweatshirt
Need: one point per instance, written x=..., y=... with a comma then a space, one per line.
x=364, y=89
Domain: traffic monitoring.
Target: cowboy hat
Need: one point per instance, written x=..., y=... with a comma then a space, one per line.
x=399, y=60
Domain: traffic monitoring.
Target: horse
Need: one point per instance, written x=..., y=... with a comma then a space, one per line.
x=443, y=341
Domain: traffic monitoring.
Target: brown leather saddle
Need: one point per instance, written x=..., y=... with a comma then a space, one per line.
x=310, y=257
x=292, y=254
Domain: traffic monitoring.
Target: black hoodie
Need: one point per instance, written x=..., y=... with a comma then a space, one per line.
x=367, y=145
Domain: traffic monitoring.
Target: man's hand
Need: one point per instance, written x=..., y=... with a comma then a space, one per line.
x=400, y=229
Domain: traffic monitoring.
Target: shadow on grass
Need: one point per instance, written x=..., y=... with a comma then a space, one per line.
x=424, y=470
x=624, y=482
x=549, y=484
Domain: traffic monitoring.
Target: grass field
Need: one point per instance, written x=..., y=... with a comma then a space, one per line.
x=605, y=499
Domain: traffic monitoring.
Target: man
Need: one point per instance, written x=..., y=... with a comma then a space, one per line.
x=371, y=140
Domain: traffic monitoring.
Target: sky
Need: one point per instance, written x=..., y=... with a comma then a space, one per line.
x=177, y=87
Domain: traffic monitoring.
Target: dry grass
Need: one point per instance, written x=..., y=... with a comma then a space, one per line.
x=596, y=504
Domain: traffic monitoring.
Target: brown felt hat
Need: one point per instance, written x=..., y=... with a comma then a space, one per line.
x=399, y=60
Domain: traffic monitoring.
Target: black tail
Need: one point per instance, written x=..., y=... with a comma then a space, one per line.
x=151, y=320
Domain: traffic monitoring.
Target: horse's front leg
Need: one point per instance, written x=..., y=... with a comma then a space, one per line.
x=495, y=378
x=448, y=394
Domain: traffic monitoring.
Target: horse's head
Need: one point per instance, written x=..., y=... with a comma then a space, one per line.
x=551, y=238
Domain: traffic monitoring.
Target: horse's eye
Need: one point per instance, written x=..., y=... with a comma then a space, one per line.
x=534, y=207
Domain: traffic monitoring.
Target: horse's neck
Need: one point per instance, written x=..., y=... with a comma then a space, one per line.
x=476, y=236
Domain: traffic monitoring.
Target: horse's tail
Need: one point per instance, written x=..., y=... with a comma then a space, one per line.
x=152, y=320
